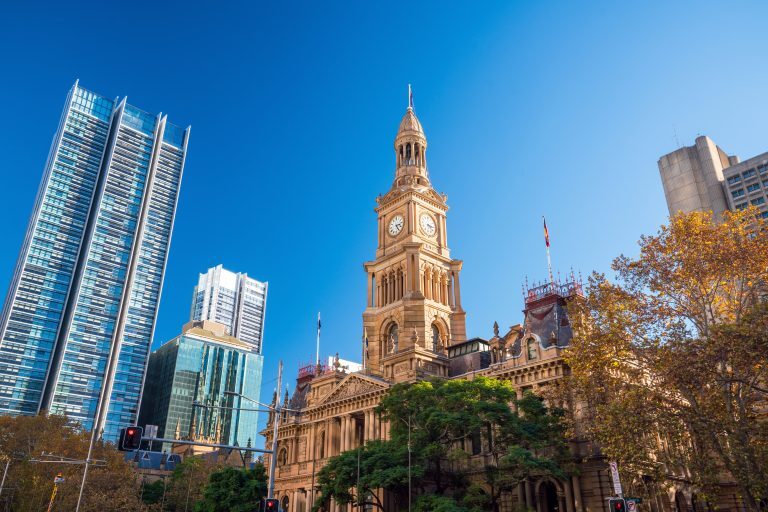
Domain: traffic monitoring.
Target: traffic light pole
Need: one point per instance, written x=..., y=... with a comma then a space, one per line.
x=275, y=423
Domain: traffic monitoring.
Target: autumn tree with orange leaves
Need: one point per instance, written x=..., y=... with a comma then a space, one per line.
x=670, y=359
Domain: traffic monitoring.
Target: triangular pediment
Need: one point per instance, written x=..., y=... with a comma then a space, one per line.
x=354, y=384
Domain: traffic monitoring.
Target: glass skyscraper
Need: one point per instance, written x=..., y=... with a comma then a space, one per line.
x=191, y=386
x=80, y=313
x=235, y=300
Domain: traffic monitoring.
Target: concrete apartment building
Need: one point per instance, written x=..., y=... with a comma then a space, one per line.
x=704, y=177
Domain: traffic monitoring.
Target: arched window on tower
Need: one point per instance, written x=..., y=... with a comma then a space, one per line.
x=282, y=457
x=435, y=337
x=321, y=447
x=408, y=153
x=400, y=161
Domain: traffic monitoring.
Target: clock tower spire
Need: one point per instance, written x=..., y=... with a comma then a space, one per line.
x=414, y=308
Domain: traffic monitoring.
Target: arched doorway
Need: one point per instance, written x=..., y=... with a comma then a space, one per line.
x=681, y=504
x=284, y=503
x=547, y=497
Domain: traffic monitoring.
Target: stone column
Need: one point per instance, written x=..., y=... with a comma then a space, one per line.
x=457, y=289
x=408, y=272
x=577, y=502
x=328, y=437
x=352, y=433
x=528, y=493
x=294, y=506
x=370, y=285
x=372, y=416
x=310, y=454
x=568, y=496
x=444, y=230
x=371, y=421
x=343, y=445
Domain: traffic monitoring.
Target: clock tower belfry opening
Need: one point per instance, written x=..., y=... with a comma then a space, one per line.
x=413, y=311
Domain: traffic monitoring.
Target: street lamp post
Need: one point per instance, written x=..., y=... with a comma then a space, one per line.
x=408, y=424
x=275, y=423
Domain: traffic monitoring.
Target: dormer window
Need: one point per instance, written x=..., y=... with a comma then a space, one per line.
x=531, y=346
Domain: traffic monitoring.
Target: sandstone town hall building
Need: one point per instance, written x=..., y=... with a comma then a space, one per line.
x=415, y=325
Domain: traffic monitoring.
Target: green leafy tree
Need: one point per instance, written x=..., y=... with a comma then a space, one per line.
x=670, y=359
x=434, y=503
x=152, y=492
x=437, y=418
x=234, y=490
x=360, y=472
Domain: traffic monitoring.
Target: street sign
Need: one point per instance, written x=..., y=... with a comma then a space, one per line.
x=631, y=506
x=615, y=477
x=150, y=431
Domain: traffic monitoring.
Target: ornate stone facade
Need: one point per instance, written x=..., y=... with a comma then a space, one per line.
x=414, y=324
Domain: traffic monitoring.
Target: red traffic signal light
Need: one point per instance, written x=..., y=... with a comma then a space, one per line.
x=617, y=505
x=130, y=438
x=271, y=505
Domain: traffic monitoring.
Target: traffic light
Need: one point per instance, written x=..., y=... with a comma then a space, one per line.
x=130, y=438
x=617, y=505
x=271, y=505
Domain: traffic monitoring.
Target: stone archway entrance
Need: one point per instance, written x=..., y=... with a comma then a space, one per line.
x=547, y=498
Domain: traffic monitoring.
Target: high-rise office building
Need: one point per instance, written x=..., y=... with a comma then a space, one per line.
x=196, y=383
x=78, y=321
x=704, y=177
x=233, y=299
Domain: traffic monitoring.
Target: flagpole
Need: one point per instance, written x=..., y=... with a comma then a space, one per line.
x=549, y=257
x=317, y=353
x=549, y=265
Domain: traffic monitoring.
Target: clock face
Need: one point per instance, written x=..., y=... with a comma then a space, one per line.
x=396, y=225
x=427, y=224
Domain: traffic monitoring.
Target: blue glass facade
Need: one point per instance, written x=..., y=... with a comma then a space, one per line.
x=81, y=309
x=186, y=385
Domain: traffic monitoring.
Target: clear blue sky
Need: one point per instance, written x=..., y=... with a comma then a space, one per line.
x=531, y=108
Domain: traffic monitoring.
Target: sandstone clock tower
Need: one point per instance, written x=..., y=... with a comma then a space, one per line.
x=414, y=300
